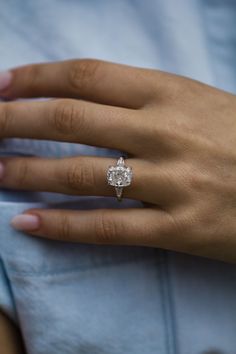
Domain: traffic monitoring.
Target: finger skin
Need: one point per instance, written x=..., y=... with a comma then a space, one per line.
x=89, y=79
x=11, y=341
x=131, y=226
x=71, y=121
x=86, y=175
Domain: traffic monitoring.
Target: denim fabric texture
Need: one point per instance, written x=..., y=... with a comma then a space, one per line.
x=85, y=299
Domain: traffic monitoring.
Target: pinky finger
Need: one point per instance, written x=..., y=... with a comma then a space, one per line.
x=133, y=226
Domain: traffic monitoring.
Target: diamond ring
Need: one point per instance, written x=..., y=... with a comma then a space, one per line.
x=119, y=176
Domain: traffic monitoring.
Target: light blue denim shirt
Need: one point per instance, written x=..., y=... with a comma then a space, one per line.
x=80, y=298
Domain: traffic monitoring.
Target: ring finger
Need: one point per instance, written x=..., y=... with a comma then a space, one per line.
x=86, y=175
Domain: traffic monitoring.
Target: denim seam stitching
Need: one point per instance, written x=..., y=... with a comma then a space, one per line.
x=164, y=298
x=172, y=309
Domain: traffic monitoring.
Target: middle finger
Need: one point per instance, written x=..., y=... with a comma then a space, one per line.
x=71, y=121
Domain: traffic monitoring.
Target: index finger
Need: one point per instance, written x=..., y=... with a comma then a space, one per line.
x=94, y=80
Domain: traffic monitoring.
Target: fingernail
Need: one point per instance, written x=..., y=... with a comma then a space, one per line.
x=2, y=170
x=5, y=79
x=26, y=222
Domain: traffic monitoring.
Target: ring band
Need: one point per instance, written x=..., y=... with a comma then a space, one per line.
x=119, y=176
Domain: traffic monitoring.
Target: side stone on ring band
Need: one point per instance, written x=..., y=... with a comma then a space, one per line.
x=119, y=176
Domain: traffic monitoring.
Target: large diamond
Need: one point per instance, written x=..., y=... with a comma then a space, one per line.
x=119, y=176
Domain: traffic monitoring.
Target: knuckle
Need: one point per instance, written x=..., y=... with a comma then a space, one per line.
x=65, y=117
x=64, y=228
x=199, y=182
x=168, y=140
x=106, y=230
x=5, y=119
x=80, y=176
x=83, y=73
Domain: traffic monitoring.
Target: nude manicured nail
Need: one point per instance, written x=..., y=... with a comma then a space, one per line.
x=26, y=222
x=2, y=170
x=5, y=79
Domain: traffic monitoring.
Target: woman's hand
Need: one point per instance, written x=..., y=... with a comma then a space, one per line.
x=180, y=136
